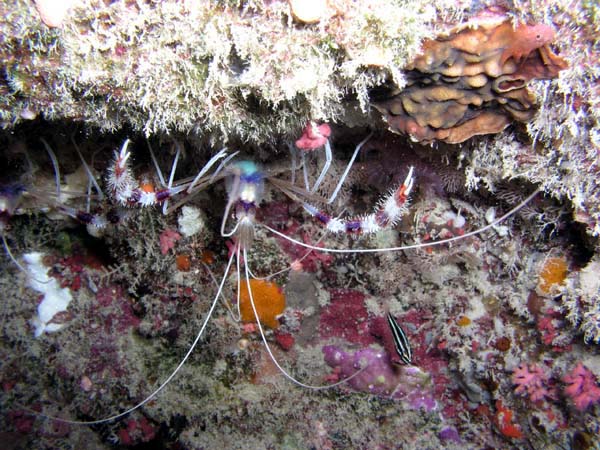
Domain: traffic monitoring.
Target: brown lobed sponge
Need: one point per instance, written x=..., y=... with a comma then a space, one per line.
x=472, y=80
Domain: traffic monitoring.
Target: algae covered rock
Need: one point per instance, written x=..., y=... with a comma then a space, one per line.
x=246, y=69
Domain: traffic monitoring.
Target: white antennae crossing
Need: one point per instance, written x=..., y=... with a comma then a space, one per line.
x=348, y=167
x=270, y=352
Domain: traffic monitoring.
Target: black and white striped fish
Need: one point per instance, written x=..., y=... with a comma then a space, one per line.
x=400, y=340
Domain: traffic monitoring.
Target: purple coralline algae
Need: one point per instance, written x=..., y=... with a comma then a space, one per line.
x=379, y=377
x=346, y=317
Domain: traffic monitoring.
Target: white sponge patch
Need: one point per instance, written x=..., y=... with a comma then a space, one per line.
x=56, y=299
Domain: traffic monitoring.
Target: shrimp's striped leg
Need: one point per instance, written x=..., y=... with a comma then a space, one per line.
x=127, y=191
x=390, y=210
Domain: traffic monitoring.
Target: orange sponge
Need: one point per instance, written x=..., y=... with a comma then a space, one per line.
x=268, y=299
x=554, y=271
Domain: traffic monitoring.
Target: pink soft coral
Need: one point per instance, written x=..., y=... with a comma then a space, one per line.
x=532, y=381
x=582, y=387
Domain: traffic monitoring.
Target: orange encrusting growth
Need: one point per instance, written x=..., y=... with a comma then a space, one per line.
x=463, y=321
x=184, y=263
x=269, y=301
x=207, y=257
x=554, y=271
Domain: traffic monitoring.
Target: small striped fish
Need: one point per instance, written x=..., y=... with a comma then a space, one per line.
x=400, y=341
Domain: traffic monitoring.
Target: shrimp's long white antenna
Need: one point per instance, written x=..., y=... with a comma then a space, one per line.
x=216, y=283
x=237, y=252
x=156, y=166
x=268, y=347
x=328, y=159
x=55, y=165
x=171, y=176
x=18, y=264
x=287, y=269
x=412, y=246
x=88, y=171
x=223, y=163
x=305, y=172
x=233, y=197
x=348, y=167
x=232, y=232
x=169, y=378
x=211, y=162
x=174, y=166
x=294, y=154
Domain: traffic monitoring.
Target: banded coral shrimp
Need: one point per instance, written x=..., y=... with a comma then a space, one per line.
x=240, y=175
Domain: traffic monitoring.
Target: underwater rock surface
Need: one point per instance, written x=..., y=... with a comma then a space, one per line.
x=503, y=325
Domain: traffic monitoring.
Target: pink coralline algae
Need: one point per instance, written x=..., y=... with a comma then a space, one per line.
x=531, y=381
x=582, y=387
x=310, y=262
x=167, y=239
x=379, y=377
x=136, y=432
x=548, y=326
x=277, y=215
x=21, y=420
x=285, y=340
x=115, y=309
x=314, y=136
x=346, y=317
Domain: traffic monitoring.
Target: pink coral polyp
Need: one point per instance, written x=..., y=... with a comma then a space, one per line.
x=582, y=387
x=531, y=381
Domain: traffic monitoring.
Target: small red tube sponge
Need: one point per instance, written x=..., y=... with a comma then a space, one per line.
x=504, y=422
x=269, y=301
